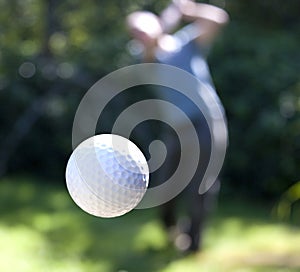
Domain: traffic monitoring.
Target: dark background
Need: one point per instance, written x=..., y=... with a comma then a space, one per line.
x=53, y=51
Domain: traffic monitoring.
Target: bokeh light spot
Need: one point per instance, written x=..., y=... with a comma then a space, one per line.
x=27, y=70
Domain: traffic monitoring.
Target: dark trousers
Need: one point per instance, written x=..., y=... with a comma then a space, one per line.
x=197, y=207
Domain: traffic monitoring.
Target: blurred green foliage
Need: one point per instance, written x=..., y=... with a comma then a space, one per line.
x=52, y=51
x=285, y=208
x=256, y=71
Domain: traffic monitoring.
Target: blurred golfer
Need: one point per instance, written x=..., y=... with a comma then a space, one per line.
x=186, y=49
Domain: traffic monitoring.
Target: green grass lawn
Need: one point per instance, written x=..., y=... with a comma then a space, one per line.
x=41, y=229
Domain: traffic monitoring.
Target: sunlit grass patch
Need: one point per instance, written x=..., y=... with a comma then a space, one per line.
x=157, y=240
x=239, y=247
x=41, y=229
x=256, y=244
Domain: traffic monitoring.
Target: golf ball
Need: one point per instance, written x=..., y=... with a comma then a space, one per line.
x=107, y=175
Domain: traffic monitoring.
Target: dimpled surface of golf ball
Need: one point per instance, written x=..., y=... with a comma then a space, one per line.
x=107, y=175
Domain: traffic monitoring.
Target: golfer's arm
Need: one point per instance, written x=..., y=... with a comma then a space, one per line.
x=193, y=11
x=210, y=19
x=170, y=18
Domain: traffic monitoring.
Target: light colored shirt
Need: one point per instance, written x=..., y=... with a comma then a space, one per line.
x=182, y=51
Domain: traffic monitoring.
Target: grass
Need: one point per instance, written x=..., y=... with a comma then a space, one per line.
x=41, y=229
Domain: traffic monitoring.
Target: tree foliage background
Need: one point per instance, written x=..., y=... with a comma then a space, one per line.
x=52, y=51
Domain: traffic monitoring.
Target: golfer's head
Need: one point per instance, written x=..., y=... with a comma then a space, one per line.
x=144, y=26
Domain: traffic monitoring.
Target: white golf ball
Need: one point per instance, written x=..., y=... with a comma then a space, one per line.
x=107, y=175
